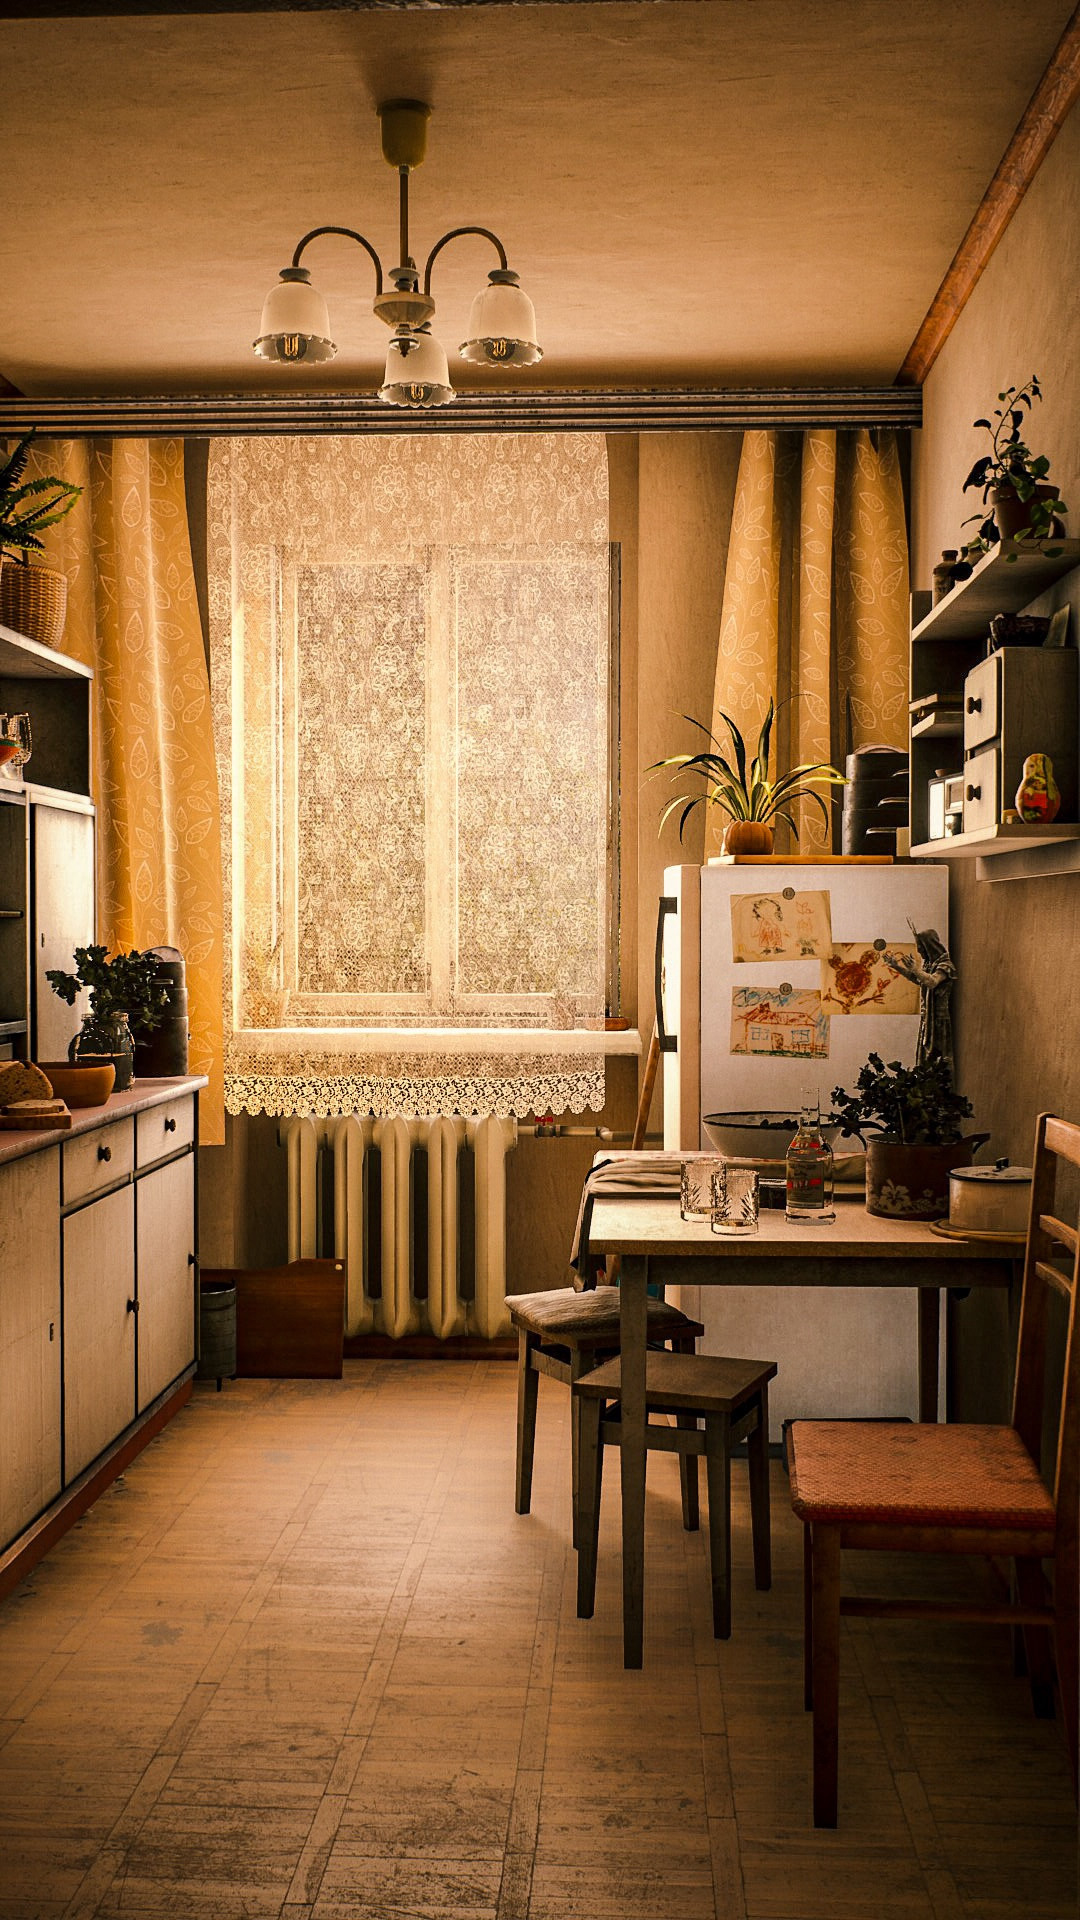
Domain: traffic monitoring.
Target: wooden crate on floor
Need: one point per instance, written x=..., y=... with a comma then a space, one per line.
x=290, y=1321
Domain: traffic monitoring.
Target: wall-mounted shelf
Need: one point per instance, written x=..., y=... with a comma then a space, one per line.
x=990, y=840
x=997, y=585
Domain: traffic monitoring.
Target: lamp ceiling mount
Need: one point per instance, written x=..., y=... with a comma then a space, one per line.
x=404, y=132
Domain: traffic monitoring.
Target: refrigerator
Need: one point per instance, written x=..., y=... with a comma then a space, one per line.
x=770, y=982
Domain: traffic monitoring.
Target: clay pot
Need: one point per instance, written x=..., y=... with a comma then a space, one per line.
x=748, y=836
x=1012, y=514
x=912, y=1183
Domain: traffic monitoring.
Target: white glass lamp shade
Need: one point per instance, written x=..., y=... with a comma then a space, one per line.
x=502, y=325
x=416, y=371
x=295, y=325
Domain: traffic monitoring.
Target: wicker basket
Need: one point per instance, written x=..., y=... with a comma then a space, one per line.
x=33, y=600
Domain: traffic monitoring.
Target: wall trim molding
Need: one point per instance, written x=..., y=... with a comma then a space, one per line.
x=608, y=410
x=1039, y=126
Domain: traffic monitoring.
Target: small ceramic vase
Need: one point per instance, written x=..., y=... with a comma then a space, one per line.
x=748, y=836
x=943, y=576
x=1037, y=796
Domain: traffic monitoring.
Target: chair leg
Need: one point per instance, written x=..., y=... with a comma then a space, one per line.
x=718, y=1481
x=688, y=1476
x=688, y=1462
x=590, y=1481
x=808, y=1617
x=757, y=1449
x=579, y=1364
x=1038, y=1645
x=825, y=1580
x=528, y=1382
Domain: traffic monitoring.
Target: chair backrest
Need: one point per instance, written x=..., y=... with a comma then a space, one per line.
x=1052, y=1266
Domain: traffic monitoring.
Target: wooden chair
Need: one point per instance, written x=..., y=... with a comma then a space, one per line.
x=957, y=1489
x=732, y=1396
x=564, y=1334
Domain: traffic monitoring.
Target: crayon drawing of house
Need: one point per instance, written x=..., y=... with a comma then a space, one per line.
x=791, y=1024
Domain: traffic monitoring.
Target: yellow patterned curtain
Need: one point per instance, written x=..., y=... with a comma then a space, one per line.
x=815, y=608
x=133, y=617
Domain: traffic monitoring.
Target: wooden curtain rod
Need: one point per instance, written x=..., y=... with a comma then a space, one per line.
x=1039, y=127
x=614, y=410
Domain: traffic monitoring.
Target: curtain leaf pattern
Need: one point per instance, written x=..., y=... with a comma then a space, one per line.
x=133, y=617
x=815, y=606
x=409, y=646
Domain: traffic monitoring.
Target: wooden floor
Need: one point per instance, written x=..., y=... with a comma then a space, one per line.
x=305, y=1660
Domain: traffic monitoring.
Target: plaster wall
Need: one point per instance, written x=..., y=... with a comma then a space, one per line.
x=1016, y=943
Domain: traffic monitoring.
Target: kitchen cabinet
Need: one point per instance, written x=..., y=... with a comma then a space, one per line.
x=98, y=1303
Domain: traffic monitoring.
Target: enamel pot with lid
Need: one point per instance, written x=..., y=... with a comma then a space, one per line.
x=990, y=1199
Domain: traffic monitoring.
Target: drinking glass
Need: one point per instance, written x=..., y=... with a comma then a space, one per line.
x=734, y=1197
x=15, y=729
x=695, y=1186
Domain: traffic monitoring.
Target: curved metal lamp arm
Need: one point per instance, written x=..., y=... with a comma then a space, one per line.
x=349, y=234
x=455, y=234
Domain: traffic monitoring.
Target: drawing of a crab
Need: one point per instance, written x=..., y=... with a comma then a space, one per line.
x=853, y=979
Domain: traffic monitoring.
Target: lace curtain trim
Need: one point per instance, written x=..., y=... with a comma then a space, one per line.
x=511, y=1085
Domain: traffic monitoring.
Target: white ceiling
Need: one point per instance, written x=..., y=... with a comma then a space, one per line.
x=707, y=192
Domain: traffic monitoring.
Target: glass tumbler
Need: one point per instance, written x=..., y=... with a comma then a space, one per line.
x=734, y=1207
x=695, y=1186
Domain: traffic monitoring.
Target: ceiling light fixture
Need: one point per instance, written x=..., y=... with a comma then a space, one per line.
x=295, y=324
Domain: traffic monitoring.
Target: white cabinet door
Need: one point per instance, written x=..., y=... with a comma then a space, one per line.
x=99, y=1327
x=29, y=1339
x=165, y=1238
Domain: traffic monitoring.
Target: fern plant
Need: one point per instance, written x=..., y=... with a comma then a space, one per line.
x=27, y=507
x=744, y=791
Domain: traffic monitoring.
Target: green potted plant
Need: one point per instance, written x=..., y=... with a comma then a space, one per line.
x=1012, y=479
x=910, y=1120
x=751, y=800
x=33, y=599
x=127, y=994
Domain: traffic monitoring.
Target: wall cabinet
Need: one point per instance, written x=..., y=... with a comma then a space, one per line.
x=98, y=1303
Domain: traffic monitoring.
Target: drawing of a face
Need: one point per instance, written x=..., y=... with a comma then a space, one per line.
x=767, y=910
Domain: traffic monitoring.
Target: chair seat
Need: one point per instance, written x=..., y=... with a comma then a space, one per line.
x=684, y=1382
x=591, y=1319
x=940, y=1476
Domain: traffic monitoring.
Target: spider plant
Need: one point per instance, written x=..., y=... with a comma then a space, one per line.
x=741, y=793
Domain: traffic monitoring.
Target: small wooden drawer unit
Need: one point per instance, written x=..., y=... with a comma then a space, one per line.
x=1020, y=700
x=94, y=1161
x=161, y=1131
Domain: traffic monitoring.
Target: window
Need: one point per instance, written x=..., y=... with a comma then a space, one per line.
x=411, y=685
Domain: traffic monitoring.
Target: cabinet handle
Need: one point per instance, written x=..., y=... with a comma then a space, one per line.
x=191, y=1259
x=104, y=1153
x=973, y=793
x=170, y=1126
x=133, y=1306
x=973, y=705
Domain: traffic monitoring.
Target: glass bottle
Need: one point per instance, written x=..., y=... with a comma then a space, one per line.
x=810, y=1168
x=105, y=1036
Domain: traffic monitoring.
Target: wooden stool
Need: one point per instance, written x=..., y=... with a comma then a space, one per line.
x=563, y=1334
x=733, y=1398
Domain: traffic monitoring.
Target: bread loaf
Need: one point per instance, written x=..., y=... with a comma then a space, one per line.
x=21, y=1081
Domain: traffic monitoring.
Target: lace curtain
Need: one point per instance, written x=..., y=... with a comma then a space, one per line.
x=409, y=640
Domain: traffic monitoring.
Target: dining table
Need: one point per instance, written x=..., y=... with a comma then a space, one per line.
x=657, y=1248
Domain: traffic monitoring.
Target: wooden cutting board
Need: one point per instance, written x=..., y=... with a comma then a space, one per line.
x=35, y=1122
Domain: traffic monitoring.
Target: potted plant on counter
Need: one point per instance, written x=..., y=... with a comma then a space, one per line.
x=1013, y=480
x=910, y=1121
x=33, y=599
x=752, y=802
x=127, y=996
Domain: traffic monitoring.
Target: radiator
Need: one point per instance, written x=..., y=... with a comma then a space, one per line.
x=424, y=1245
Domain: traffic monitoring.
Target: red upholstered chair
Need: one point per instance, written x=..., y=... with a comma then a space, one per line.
x=957, y=1489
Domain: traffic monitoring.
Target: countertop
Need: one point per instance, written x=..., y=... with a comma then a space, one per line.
x=119, y=1106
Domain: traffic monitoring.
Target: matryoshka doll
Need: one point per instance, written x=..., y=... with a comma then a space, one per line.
x=1037, y=796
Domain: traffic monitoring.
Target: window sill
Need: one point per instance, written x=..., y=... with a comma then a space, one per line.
x=440, y=1040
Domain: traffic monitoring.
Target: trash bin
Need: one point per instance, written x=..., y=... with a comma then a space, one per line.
x=217, y=1331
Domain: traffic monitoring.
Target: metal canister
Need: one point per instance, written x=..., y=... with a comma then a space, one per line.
x=164, y=1053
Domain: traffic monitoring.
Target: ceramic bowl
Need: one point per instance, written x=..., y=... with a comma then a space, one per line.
x=79, y=1086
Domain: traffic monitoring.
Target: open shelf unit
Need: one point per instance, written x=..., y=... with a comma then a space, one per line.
x=947, y=641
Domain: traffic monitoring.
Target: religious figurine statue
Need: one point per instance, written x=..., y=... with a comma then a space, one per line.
x=935, y=976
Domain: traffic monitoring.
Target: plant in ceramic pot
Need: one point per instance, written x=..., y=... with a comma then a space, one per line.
x=910, y=1119
x=127, y=996
x=33, y=598
x=1013, y=480
x=743, y=791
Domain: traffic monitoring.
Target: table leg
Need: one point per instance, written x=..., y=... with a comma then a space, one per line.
x=633, y=1280
x=929, y=1344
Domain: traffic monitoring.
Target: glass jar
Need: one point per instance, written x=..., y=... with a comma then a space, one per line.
x=104, y=1037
